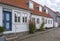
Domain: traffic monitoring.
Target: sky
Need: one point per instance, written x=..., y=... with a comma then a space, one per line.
x=53, y=4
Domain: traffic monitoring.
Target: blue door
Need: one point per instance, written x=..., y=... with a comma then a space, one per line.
x=7, y=20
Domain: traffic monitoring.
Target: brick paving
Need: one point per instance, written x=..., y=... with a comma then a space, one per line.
x=53, y=35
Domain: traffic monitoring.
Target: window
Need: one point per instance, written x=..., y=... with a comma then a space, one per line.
x=46, y=21
x=38, y=20
x=17, y=17
x=40, y=8
x=46, y=11
x=51, y=21
x=33, y=19
x=24, y=19
x=7, y=26
x=31, y=5
x=27, y=3
x=7, y=17
x=42, y=19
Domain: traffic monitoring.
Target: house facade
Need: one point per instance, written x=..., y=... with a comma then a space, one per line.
x=58, y=18
x=15, y=15
x=54, y=15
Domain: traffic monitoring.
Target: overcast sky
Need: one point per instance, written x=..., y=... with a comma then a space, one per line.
x=53, y=4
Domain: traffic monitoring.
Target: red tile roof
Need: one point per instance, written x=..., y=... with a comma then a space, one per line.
x=22, y=4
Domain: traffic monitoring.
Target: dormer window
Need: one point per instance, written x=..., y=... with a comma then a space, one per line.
x=40, y=8
x=27, y=3
x=46, y=11
x=31, y=5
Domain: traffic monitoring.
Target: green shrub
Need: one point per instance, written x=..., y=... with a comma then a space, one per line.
x=2, y=29
x=42, y=27
x=32, y=27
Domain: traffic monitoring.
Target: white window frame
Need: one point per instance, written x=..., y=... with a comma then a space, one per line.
x=37, y=20
x=47, y=11
x=25, y=16
x=25, y=19
x=18, y=15
x=40, y=8
x=31, y=5
x=33, y=19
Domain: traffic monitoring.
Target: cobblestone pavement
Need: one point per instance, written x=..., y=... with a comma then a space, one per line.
x=53, y=35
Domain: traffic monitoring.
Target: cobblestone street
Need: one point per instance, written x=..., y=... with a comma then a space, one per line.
x=53, y=35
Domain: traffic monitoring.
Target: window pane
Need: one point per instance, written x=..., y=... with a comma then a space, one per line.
x=42, y=19
x=33, y=19
x=7, y=26
x=44, y=10
x=15, y=18
x=18, y=19
x=7, y=17
x=51, y=21
x=45, y=21
x=25, y=19
x=48, y=21
x=31, y=5
x=38, y=20
x=40, y=8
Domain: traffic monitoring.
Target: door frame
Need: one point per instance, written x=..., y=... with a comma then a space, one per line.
x=5, y=21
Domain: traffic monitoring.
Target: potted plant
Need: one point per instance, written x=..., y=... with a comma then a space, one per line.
x=2, y=38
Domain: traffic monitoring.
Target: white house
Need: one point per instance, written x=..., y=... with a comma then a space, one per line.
x=15, y=15
x=54, y=15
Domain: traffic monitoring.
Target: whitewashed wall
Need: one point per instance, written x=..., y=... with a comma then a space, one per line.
x=48, y=25
x=40, y=20
x=55, y=24
x=22, y=27
x=16, y=27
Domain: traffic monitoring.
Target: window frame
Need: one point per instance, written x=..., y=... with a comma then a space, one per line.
x=31, y=3
x=17, y=17
x=33, y=19
x=47, y=11
x=24, y=19
x=40, y=8
x=37, y=20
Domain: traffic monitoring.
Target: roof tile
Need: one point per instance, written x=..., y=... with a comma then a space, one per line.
x=21, y=3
